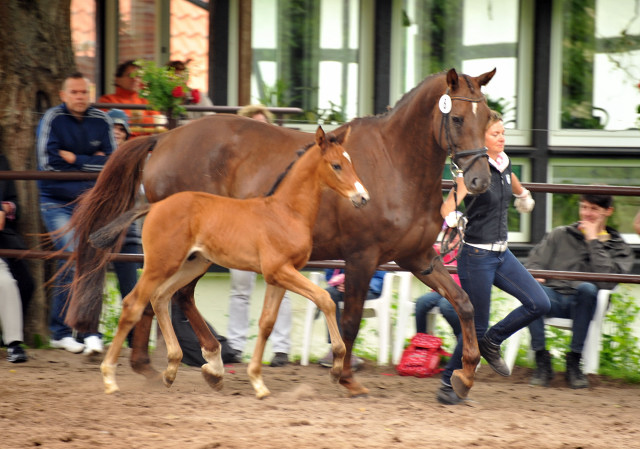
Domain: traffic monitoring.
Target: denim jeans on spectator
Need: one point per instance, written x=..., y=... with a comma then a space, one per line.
x=56, y=215
x=580, y=307
x=479, y=270
x=428, y=301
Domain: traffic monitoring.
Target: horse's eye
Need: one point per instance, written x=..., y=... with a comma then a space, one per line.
x=336, y=166
x=458, y=121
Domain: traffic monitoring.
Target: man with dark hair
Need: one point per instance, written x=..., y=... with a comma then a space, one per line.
x=588, y=245
x=71, y=137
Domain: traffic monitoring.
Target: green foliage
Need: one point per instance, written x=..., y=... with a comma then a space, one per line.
x=111, y=308
x=620, y=355
x=164, y=89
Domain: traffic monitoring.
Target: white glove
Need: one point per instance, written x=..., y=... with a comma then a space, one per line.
x=453, y=219
x=524, y=203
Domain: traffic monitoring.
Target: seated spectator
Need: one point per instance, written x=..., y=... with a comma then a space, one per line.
x=127, y=87
x=335, y=279
x=12, y=308
x=588, y=245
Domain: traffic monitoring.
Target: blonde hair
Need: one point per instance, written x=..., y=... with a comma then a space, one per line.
x=253, y=109
x=494, y=117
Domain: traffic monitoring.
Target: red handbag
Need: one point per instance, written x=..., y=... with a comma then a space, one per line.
x=422, y=357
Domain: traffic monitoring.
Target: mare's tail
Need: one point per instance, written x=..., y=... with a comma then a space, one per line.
x=114, y=193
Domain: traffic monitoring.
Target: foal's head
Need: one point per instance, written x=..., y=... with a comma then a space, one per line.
x=337, y=169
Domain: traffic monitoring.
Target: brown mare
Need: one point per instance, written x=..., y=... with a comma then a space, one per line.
x=400, y=157
x=188, y=231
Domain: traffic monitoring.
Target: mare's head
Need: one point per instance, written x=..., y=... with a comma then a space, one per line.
x=463, y=114
x=336, y=168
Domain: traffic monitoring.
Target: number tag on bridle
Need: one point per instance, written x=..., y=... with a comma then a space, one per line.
x=445, y=104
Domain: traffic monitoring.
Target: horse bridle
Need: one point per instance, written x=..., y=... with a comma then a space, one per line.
x=477, y=153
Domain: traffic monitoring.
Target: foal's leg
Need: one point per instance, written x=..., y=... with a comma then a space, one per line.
x=160, y=303
x=293, y=280
x=212, y=371
x=272, y=299
x=132, y=309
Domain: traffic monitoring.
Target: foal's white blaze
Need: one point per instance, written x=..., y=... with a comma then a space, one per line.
x=360, y=188
x=346, y=155
x=474, y=107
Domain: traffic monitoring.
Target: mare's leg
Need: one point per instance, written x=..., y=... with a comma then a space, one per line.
x=212, y=371
x=139, y=358
x=442, y=282
x=133, y=306
x=356, y=288
x=291, y=279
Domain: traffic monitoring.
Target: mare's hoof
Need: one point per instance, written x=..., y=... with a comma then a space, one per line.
x=460, y=385
x=111, y=389
x=214, y=381
x=354, y=389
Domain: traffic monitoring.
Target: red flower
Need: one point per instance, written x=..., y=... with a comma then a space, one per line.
x=177, y=92
x=195, y=96
x=638, y=85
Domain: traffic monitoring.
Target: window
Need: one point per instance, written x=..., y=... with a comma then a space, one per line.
x=305, y=54
x=189, y=28
x=83, y=39
x=473, y=37
x=597, y=70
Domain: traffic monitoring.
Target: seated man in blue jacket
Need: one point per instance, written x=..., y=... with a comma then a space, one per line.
x=335, y=279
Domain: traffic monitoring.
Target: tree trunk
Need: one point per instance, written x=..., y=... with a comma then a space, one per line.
x=35, y=57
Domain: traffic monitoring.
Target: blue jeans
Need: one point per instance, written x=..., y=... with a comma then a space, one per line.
x=56, y=214
x=434, y=299
x=580, y=307
x=479, y=270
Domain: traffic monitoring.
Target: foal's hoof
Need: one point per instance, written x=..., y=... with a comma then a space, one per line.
x=167, y=380
x=460, y=384
x=215, y=381
x=111, y=388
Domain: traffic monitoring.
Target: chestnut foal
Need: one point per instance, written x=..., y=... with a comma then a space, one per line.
x=188, y=231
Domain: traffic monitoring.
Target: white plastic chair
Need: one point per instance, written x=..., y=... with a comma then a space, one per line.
x=592, y=345
x=379, y=307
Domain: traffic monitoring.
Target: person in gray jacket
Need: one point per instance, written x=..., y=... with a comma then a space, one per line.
x=588, y=245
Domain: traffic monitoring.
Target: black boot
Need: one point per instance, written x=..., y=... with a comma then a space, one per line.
x=543, y=372
x=575, y=378
x=491, y=354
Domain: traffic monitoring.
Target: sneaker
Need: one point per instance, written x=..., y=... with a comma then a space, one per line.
x=93, y=345
x=491, y=353
x=327, y=361
x=68, y=343
x=447, y=396
x=15, y=354
x=236, y=357
x=279, y=359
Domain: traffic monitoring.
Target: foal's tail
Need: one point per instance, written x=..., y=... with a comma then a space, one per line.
x=108, y=236
x=114, y=193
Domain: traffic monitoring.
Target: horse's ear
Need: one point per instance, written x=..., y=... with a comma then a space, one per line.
x=320, y=136
x=486, y=77
x=344, y=135
x=452, y=79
